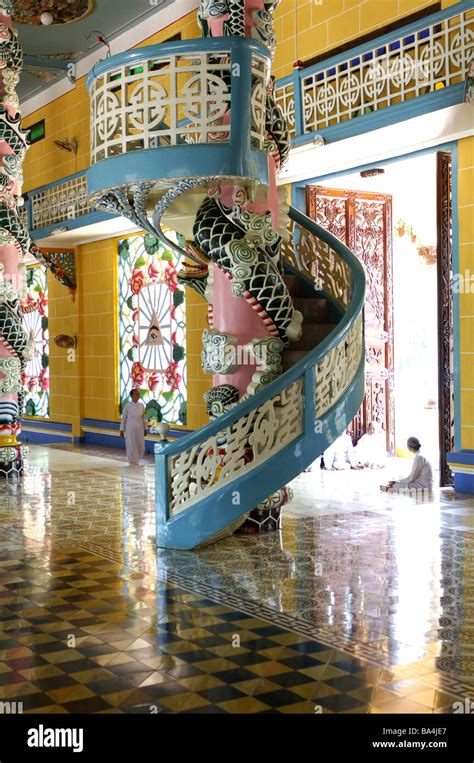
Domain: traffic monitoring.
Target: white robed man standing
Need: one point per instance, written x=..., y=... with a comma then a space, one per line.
x=133, y=428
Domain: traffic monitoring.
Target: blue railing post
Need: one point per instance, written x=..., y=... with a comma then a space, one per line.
x=161, y=487
x=309, y=388
x=298, y=101
x=240, y=113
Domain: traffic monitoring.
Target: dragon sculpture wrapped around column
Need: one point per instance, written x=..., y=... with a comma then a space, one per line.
x=14, y=246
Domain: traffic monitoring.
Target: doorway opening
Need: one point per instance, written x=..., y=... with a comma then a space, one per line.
x=393, y=219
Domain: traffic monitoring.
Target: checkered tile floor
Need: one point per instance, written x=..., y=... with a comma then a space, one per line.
x=94, y=620
x=81, y=634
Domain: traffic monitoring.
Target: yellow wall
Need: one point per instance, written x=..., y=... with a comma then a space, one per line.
x=466, y=262
x=68, y=117
x=98, y=329
x=65, y=378
x=305, y=28
x=198, y=381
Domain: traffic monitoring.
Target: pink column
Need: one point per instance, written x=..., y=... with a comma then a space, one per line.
x=13, y=243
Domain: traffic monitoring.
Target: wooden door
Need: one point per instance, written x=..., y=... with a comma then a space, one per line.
x=445, y=314
x=363, y=221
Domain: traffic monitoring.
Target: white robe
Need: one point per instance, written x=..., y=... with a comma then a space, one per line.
x=340, y=455
x=420, y=477
x=370, y=450
x=133, y=424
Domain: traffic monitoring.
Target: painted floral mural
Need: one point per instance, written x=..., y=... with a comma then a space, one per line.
x=152, y=329
x=35, y=377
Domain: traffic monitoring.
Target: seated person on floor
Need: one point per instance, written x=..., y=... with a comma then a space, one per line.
x=421, y=475
x=370, y=449
x=340, y=455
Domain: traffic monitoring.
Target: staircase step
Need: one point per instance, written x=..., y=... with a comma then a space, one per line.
x=291, y=357
x=313, y=334
x=294, y=285
x=314, y=310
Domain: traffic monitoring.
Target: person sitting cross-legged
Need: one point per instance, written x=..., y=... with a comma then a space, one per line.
x=340, y=455
x=370, y=449
x=420, y=477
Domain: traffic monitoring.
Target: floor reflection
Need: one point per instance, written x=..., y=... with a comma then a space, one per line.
x=383, y=579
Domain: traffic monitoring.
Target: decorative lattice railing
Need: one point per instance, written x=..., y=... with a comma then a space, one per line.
x=430, y=55
x=58, y=203
x=278, y=424
x=175, y=93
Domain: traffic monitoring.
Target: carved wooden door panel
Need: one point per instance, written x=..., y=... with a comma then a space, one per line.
x=363, y=221
x=445, y=314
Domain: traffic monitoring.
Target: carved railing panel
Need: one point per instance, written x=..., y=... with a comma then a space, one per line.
x=61, y=202
x=202, y=469
x=337, y=369
x=170, y=99
x=285, y=98
x=415, y=63
x=320, y=262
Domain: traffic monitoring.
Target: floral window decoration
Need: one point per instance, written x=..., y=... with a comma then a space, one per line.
x=152, y=328
x=35, y=376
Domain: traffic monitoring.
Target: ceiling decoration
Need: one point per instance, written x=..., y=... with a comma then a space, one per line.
x=62, y=11
x=45, y=77
x=49, y=48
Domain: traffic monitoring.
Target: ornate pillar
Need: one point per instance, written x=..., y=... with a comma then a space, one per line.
x=241, y=230
x=14, y=245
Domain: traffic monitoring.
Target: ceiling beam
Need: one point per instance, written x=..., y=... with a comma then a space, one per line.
x=39, y=62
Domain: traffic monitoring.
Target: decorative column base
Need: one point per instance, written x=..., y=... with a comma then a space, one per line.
x=267, y=516
x=11, y=461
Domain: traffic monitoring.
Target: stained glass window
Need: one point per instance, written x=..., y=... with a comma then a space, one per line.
x=152, y=330
x=35, y=377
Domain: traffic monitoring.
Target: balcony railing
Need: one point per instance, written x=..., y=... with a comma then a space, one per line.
x=422, y=58
x=178, y=93
x=59, y=202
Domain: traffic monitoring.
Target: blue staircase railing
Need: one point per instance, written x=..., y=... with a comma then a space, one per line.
x=205, y=483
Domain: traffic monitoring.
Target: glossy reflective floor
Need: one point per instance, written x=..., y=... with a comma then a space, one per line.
x=364, y=603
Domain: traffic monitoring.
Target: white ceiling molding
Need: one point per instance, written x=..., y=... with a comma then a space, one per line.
x=152, y=24
x=116, y=226
x=425, y=131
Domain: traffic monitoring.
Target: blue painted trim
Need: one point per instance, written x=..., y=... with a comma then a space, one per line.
x=46, y=424
x=240, y=117
x=464, y=483
x=398, y=112
x=456, y=300
x=396, y=34
x=101, y=424
x=298, y=197
x=40, y=438
x=178, y=47
x=284, y=80
x=115, y=426
x=71, y=224
x=46, y=63
x=298, y=105
x=463, y=457
x=174, y=162
x=204, y=519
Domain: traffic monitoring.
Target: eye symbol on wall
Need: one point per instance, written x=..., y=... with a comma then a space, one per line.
x=154, y=336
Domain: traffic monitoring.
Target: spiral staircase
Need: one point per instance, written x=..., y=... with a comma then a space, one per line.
x=153, y=129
